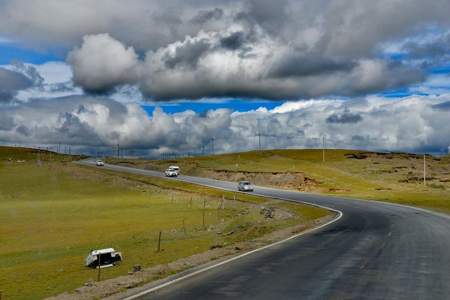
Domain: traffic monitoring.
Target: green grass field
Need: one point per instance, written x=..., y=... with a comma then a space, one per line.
x=53, y=212
x=389, y=177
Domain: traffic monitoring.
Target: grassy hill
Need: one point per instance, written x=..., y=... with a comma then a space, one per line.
x=396, y=177
x=53, y=212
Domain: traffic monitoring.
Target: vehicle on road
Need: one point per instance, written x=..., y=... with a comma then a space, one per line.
x=245, y=186
x=107, y=257
x=172, y=171
x=99, y=163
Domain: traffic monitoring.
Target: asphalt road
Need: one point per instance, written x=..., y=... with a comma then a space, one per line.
x=375, y=251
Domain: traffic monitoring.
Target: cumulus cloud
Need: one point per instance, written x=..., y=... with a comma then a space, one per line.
x=180, y=49
x=410, y=124
x=233, y=63
x=276, y=50
x=102, y=63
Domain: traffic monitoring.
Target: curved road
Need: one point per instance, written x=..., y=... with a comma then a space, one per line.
x=375, y=251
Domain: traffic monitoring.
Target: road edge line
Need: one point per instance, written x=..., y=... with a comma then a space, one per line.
x=340, y=214
x=205, y=269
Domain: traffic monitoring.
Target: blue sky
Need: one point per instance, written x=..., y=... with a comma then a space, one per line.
x=82, y=77
x=10, y=52
x=200, y=107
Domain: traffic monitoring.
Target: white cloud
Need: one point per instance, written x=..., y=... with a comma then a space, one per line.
x=102, y=62
x=409, y=124
x=237, y=62
x=55, y=72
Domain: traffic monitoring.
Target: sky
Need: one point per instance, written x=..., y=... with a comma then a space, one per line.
x=204, y=76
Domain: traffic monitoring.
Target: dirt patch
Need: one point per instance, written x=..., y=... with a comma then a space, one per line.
x=287, y=180
x=112, y=287
x=415, y=179
x=356, y=155
x=336, y=190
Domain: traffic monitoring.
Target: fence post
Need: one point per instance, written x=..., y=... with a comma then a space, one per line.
x=223, y=202
x=159, y=242
x=99, y=267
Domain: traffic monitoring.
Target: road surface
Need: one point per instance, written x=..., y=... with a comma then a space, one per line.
x=375, y=251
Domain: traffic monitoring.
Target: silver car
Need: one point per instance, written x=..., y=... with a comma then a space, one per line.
x=245, y=186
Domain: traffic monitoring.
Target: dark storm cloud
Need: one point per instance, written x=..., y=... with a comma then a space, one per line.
x=10, y=83
x=297, y=64
x=233, y=41
x=442, y=106
x=73, y=129
x=344, y=118
x=207, y=15
x=188, y=53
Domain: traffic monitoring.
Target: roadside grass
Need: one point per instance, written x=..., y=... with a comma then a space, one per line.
x=53, y=212
x=301, y=214
x=392, y=177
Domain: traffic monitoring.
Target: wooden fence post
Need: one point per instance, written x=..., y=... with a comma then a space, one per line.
x=223, y=202
x=159, y=242
x=99, y=267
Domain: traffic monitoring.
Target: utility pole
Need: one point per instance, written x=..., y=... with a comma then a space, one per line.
x=424, y=170
x=323, y=148
x=118, y=151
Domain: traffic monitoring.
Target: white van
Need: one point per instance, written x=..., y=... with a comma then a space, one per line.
x=172, y=171
x=104, y=257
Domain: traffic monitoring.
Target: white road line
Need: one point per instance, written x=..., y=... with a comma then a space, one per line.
x=158, y=287
x=340, y=214
x=175, y=280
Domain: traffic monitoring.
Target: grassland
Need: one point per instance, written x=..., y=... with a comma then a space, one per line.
x=53, y=212
x=394, y=177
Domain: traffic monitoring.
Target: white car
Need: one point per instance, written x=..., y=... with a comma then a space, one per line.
x=245, y=186
x=99, y=163
x=172, y=171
